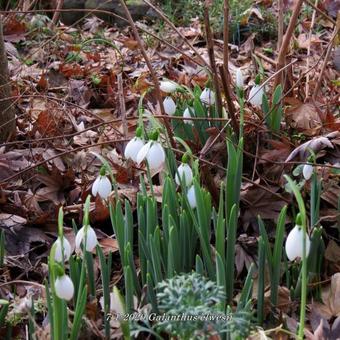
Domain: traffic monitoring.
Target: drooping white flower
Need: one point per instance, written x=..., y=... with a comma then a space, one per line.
x=169, y=106
x=184, y=171
x=191, y=195
x=187, y=114
x=294, y=243
x=239, y=78
x=154, y=153
x=132, y=148
x=256, y=95
x=168, y=86
x=58, y=250
x=102, y=186
x=307, y=171
x=91, y=238
x=207, y=97
x=116, y=302
x=64, y=287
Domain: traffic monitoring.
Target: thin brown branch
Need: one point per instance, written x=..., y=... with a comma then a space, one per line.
x=151, y=70
x=322, y=13
x=281, y=59
x=210, y=45
x=56, y=14
x=280, y=24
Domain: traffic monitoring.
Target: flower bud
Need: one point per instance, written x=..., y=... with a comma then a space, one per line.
x=169, y=106
x=188, y=113
x=239, y=79
x=191, y=195
x=307, y=171
x=102, y=186
x=64, y=287
x=207, y=97
x=168, y=86
x=132, y=148
x=256, y=95
x=91, y=238
x=184, y=172
x=58, y=250
x=294, y=243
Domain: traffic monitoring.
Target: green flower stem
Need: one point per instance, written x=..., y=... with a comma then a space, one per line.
x=302, y=210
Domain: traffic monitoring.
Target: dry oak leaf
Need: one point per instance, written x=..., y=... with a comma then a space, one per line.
x=330, y=298
x=305, y=118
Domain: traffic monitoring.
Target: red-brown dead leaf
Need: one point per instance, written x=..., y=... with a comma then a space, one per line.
x=108, y=245
x=46, y=124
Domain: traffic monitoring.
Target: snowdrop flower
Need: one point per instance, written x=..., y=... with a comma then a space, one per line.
x=294, y=243
x=307, y=171
x=58, y=250
x=192, y=197
x=116, y=302
x=91, y=238
x=187, y=114
x=256, y=95
x=102, y=185
x=64, y=287
x=184, y=171
x=169, y=106
x=132, y=148
x=153, y=152
x=168, y=86
x=239, y=79
x=207, y=97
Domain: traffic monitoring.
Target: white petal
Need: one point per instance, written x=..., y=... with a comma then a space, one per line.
x=64, y=287
x=169, y=106
x=91, y=239
x=294, y=243
x=58, y=250
x=95, y=186
x=187, y=114
x=168, y=86
x=156, y=156
x=207, y=97
x=104, y=187
x=307, y=171
x=116, y=301
x=256, y=95
x=184, y=170
x=192, y=197
x=143, y=152
x=239, y=78
x=132, y=148
x=79, y=237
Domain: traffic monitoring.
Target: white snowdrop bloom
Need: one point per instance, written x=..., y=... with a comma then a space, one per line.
x=58, y=250
x=154, y=153
x=132, y=148
x=256, y=95
x=168, y=86
x=307, y=171
x=184, y=171
x=187, y=114
x=239, y=78
x=64, y=287
x=294, y=243
x=91, y=238
x=101, y=186
x=207, y=97
x=116, y=304
x=169, y=106
x=192, y=197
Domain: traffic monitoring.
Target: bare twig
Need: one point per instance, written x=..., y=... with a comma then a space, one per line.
x=210, y=45
x=151, y=70
x=224, y=71
x=327, y=17
x=280, y=25
x=325, y=61
x=308, y=50
x=56, y=14
x=285, y=43
x=122, y=103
